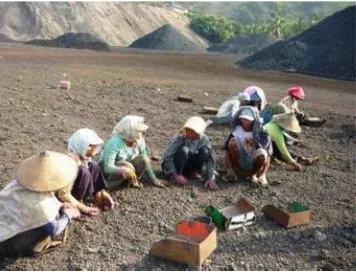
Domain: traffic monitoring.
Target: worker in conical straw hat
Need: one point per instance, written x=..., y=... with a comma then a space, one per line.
x=124, y=156
x=281, y=124
x=30, y=214
x=249, y=148
x=295, y=94
x=90, y=185
x=188, y=151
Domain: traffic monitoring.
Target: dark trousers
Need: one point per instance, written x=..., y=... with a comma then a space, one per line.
x=187, y=162
x=90, y=180
x=24, y=243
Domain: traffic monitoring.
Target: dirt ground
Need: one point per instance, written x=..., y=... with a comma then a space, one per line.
x=108, y=86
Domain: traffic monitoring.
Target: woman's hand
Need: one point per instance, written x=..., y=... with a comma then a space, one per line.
x=103, y=200
x=211, y=184
x=179, y=180
x=92, y=211
x=89, y=211
x=297, y=167
x=129, y=174
x=70, y=211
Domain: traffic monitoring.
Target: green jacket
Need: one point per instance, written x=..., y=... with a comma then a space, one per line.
x=276, y=135
x=115, y=150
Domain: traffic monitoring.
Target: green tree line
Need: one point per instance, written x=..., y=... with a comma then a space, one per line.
x=219, y=29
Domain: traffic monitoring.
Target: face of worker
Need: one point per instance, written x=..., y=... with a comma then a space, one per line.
x=92, y=151
x=246, y=124
x=191, y=134
x=256, y=104
x=132, y=143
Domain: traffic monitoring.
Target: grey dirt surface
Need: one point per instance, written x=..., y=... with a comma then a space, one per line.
x=107, y=86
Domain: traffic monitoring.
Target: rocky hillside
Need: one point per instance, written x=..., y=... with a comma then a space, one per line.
x=116, y=23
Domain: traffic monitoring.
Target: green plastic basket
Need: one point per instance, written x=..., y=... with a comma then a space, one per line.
x=296, y=207
x=216, y=216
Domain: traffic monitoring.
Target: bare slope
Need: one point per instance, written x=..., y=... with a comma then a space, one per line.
x=116, y=23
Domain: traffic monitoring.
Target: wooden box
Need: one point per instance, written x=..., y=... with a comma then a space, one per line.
x=234, y=216
x=288, y=218
x=192, y=243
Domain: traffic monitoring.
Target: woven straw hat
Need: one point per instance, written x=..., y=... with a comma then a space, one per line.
x=48, y=171
x=287, y=121
x=197, y=124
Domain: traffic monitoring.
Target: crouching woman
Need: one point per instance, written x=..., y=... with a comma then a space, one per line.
x=249, y=147
x=187, y=152
x=124, y=156
x=280, y=129
x=90, y=185
x=30, y=214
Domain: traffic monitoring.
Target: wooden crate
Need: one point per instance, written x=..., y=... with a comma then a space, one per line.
x=287, y=219
x=186, y=249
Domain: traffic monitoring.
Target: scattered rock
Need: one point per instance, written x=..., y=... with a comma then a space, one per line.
x=275, y=182
x=327, y=267
x=184, y=98
x=232, y=267
x=92, y=250
x=260, y=235
x=319, y=236
x=274, y=194
x=295, y=236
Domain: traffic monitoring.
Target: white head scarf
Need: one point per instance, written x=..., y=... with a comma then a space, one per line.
x=79, y=142
x=129, y=127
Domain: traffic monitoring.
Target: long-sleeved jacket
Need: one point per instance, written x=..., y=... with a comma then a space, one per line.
x=276, y=134
x=115, y=150
x=178, y=141
x=291, y=104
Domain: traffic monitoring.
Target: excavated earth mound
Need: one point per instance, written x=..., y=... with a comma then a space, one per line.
x=245, y=44
x=326, y=49
x=167, y=37
x=74, y=40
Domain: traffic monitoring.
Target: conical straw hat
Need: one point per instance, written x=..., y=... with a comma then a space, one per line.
x=48, y=171
x=287, y=121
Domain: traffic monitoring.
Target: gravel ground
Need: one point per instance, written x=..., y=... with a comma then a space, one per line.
x=107, y=86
